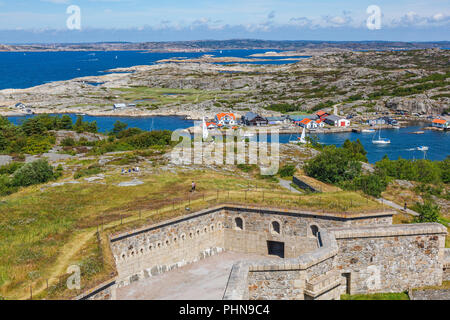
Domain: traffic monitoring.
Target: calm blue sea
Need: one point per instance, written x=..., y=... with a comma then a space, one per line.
x=403, y=142
x=106, y=124
x=20, y=70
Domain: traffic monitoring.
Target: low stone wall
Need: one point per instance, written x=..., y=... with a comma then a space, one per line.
x=391, y=259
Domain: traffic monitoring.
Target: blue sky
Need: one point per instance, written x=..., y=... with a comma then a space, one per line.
x=156, y=20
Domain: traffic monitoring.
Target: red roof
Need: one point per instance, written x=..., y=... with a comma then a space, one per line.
x=223, y=114
x=211, y=124
x=305, y=121
x=320, y=113
x=440, y=121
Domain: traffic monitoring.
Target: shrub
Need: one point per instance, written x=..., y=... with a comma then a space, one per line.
x=287, y=170
x=333, y=165
x=68, y=142
x=10, y=168
x=428, y=212
x=36, y=172
x=6, y=188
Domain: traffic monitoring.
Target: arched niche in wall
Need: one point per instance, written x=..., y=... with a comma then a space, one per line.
x=238, y=223
x=275, y=227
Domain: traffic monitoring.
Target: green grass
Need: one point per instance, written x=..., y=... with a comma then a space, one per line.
x=376, y=296
x=163, y=96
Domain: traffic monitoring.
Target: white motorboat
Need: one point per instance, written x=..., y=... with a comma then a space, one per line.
x=422, y=148
x=367, y=131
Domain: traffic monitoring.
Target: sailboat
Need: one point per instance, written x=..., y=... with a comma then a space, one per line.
x=380, y=140
x=422, y=148
x=301, y=139
x=205, y=130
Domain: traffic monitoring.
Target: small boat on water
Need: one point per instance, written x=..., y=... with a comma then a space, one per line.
x=423, y=148
x=381, y=140
x=367, y=131
x=301, y=139
x=418, y=132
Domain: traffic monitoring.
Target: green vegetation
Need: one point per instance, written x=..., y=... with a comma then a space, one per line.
x=23, y=175
x=333, y=165
x=425, y=171
x=356, y=150
x=34, y=135
x=284, y=107
x=287, y=170
x=429, y=212
x=376, y=296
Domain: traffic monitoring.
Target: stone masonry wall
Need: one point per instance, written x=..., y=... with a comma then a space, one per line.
x=391, y=259
x=167, y=246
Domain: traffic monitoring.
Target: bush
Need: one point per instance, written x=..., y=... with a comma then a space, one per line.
x=36, y=172
x=428, y=212
x=10, y=168
x=287, y=170
x=6, y=187
x=333, y=165
x=68, y=142
x=371, y=184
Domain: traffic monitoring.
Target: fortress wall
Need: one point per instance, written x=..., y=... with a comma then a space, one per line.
x=295, y=229
x=446, y=264
x=391, y=259
x=166, y=246
x=174, y=243
x=293, y=279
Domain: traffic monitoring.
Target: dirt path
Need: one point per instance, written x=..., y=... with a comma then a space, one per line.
x=67, y=252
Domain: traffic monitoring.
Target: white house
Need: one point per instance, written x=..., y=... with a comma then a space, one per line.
x=320, y=123
x=225, y=119
x=440, y=123
x=336, y=121
x=308, y=124
x=120, y=105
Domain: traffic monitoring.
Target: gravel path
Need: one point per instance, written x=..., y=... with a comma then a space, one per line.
x=396, y=206
x=287, y=184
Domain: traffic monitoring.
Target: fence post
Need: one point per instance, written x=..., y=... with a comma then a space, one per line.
x=173, y=204
x=121, y=219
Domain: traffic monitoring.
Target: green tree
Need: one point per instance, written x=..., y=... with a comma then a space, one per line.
x=66, y=122
x=428, y=212
x=356, y=149
x=119, y=126
x=333, y=165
